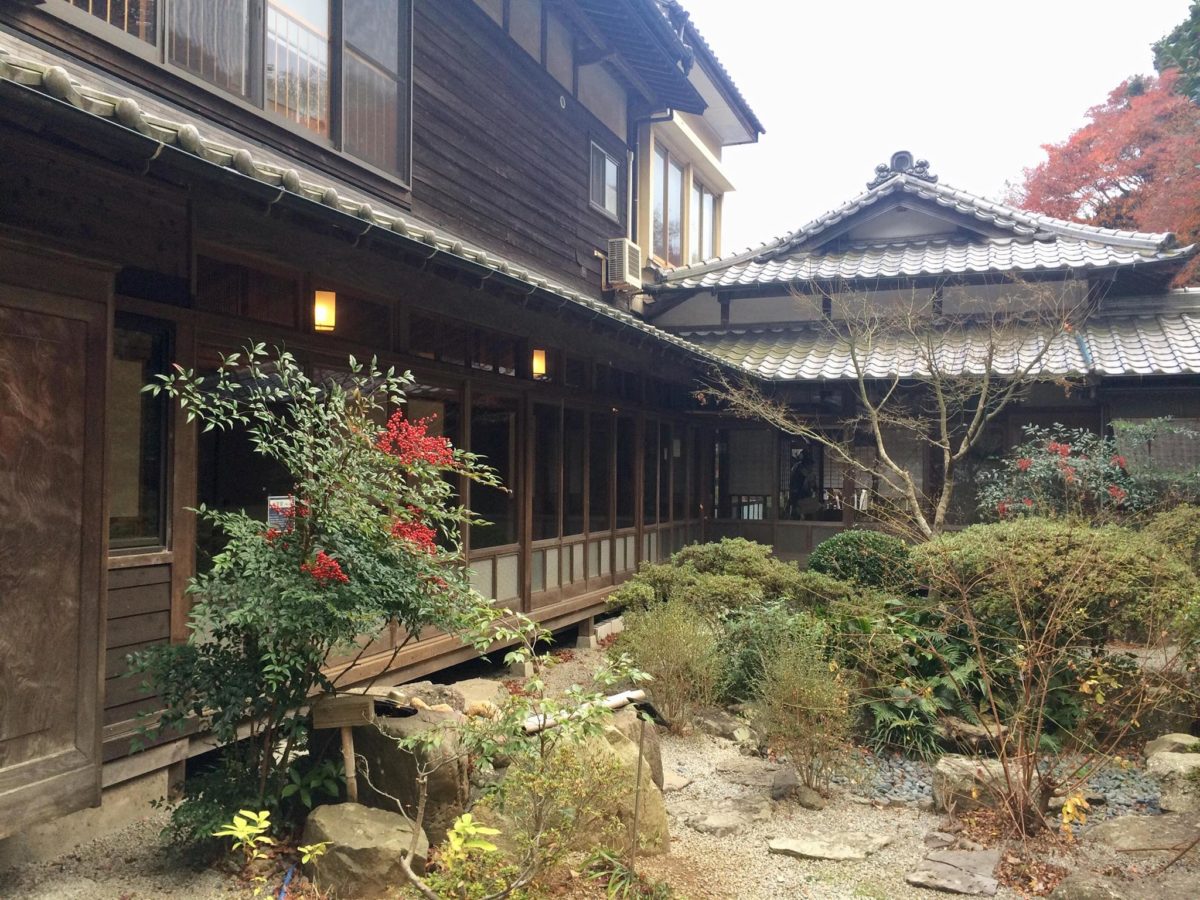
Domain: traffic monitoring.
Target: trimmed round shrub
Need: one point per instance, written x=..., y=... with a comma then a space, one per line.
x=1096, y=583
x=1179, y=529
x=729, y=556
x=869, y=558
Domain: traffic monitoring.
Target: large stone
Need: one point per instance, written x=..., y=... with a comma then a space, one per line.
x=786, y=785
x=423, y=694
x=958, y=872
x=1128, y=833
x=393, y=770
x=480, y=690
x=629, y=722
x=967, y=736
x=365, y=849
x=1175, y=742
x=673, y=781
x=830, y=845
x=654, y=834
x=1179, y=776
x=962, y=783
x=719, y=723
x=1171, y=885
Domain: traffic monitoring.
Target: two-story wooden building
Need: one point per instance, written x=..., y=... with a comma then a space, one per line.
x=437, y=183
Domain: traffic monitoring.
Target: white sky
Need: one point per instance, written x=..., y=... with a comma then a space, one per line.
x=976, y=88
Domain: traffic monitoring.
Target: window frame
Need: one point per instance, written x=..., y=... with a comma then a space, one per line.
x=618, y=166
x=156, y=54
x=698, y=220
x=690, y=182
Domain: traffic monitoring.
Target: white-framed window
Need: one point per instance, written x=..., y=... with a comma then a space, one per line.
x=605, y=191
x=702, y=227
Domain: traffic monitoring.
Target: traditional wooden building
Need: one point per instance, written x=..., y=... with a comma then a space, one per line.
x=911, y=243
x=461, y=188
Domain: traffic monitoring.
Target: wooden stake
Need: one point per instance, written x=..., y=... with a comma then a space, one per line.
x=348, y=763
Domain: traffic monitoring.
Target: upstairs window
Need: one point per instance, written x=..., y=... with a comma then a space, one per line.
x=703, y=214
x=338, y=70
x=136, y=17
x=667, y=191
x=606, y=179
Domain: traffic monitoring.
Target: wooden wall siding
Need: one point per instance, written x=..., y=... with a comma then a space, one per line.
x=495, y=157
x=139, y=616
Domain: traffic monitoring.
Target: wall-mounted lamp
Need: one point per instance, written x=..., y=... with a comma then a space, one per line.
x=538, y=365
x=324, y=310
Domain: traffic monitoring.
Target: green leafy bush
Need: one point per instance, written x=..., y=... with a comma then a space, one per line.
x=1120, y=581
x=749, y=640
x=1179, y=530
x=679, y=650
x=869, y=558
x=804, y=704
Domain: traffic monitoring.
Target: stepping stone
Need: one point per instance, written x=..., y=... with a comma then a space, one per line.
x=834, y=845
x=1140, y=832
x=748, y=772
x=731, y=817
x=673, y=782
x=958, y=872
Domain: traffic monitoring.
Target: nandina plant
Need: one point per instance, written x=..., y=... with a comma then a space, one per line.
x=368, y=537
x=1073, y=472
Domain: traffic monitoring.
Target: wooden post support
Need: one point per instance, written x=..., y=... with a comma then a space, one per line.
x=587, y=639
x=344, y=711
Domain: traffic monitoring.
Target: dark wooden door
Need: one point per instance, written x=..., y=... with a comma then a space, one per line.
x=52, y=540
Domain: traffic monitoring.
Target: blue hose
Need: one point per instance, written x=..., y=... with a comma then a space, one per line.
x=287, y=879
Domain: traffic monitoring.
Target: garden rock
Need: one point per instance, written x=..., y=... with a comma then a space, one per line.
x=628, y=722
x=961, y=783
x=835, y=845
x=1173, y=885
x=1176, y=742
x=958, y=872
x=750, y=772
x=654, y=834
x=425, y=694
x=480, y=691
x=785, y=785
x=967, y=736
x=1178, y=773
x=731, y=817
x=719, y=723
x=1140, y=832
x=393, y=770
x=363, y=859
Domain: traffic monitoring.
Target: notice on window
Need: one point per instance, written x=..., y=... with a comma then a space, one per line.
x=280, y=511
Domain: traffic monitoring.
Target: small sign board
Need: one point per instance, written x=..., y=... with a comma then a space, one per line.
x=343, y=710
x=279, y=511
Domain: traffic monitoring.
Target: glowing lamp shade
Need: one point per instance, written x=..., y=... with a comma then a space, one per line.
x=539, y=363
x=324, y=310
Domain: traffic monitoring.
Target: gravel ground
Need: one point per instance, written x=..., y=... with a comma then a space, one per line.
x=128, y=865
x=740, y=867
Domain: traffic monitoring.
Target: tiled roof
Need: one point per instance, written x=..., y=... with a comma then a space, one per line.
x=1167, y=343
x=669, y=7
x=1065, y=242
x=125, y=110
x=928, y=257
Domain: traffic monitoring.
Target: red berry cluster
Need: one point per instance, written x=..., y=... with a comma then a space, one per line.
x=1118, y=461
x=1117, y=493
x=1024, y=463
x=1063, y=450
x=416, y=532
x=410, y=442
x=325, y=569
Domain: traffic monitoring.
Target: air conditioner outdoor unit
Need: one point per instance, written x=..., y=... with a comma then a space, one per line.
x=624, y=265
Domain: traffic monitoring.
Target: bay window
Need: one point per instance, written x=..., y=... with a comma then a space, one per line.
x=339, y=71
x=680, y=232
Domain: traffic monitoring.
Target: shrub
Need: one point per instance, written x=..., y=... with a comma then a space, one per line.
x=748, y=641
x=679, y=651
x=368, y=539
x=804, y=705
x=1179, y=530
x=869, y=558
x=1119, y=580
x=728, y=556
